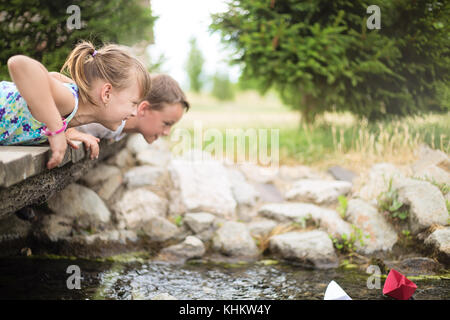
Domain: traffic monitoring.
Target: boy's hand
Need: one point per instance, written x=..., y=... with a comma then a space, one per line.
x=58, y=145
x=89, y=141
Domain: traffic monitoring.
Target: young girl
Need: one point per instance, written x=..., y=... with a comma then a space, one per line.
x=157, y=113
x=36, y=107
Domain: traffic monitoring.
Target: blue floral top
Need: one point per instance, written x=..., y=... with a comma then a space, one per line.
x=17, y=124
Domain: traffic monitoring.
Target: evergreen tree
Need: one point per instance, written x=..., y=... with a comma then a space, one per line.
x=194, y=66
x=38, y=28
x=319, y=54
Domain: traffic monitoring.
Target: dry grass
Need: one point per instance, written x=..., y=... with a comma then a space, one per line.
x=263, y=241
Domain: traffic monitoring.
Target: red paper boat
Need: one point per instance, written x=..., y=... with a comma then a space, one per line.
x=398, y=286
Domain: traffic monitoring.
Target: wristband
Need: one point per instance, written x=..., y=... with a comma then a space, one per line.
x=49, y=133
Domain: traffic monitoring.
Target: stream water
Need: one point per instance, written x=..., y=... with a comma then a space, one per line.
x=31, y=278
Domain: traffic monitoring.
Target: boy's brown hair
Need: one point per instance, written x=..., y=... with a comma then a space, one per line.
x=165, y=90
x=111, y=63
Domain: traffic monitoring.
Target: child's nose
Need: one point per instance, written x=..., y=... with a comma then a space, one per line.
x=166, y=132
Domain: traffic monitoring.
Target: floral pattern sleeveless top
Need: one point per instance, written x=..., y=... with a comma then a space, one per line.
x=17, y=124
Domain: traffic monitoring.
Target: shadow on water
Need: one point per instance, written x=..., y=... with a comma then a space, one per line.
x=26, y=278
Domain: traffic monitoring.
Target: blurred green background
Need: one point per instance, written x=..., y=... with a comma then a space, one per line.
x=337, y=91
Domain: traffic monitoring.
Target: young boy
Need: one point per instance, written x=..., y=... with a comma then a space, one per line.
x=162, y=107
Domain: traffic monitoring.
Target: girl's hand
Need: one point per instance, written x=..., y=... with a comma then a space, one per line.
x=58, y=145
x=90, y=142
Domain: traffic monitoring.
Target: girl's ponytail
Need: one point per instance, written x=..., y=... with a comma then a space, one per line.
x=111, y=63
x=76, y=65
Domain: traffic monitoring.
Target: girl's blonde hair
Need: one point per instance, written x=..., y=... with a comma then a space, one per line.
x=111, y=63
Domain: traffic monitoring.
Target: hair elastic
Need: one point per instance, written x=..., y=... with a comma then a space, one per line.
x=94, y=53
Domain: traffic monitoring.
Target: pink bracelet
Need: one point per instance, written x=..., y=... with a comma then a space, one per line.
x=49, y=133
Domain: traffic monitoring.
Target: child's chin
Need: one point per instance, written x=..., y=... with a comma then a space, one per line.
x=113, y=126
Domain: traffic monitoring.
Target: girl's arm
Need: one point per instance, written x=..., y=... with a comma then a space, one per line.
x=60, y=77
x=42, y=94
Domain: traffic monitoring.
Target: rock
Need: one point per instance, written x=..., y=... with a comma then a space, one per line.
x=13, y=228
x=244, y=193
x=110, y=236
x=318, y=191
x=104, y=180
x=426, y=203
x=439, y=240
x=312, y=249
x=99, y=174
x=163, y=296
x=153, y=157
x=233, y=239
x=418, y=266
x=294, y=173
x=159, y=229
x=206, y=235
x=190, y=248
x=136, y=143
x=342, y=174
x=81, y=204
x=372, y=223
x=378, y=181
x=258, y=174
x=433, y=173
x=261, y=228
x=203, y=186
x=268, y=192
x=429, y=157
x=327, y=219
x=122, y=159
x=144, y=176
x=138, y=206
x=199, y=222
x=55, y=227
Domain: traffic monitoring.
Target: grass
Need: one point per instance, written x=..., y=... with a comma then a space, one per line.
x=334, y=139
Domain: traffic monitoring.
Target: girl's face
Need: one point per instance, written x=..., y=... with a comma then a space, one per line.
x=119, y=104
x=155, y=123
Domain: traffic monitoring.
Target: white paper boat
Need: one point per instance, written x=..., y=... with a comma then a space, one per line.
x=335, y=292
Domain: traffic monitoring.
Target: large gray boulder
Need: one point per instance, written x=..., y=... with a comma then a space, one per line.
x=159, y=229
x=104, y=180
x=199, y=222
x=145, y=176
x=433, y=173
x=439, y=240
x=81, y=204
x=311, y=249
x=202, y=185
x=244, y=193
x=377, y=181
x=327, y=219
x=136, y=143
x=426, y=203
x=317, y=191
x=234, y=239
x=382, y=235
x=138, y=206
x=190, y=248
x=430, y=157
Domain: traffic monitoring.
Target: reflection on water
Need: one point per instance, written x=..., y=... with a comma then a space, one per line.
x=46, y=279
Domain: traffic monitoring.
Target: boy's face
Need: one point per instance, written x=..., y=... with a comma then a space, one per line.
x=154, y=123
